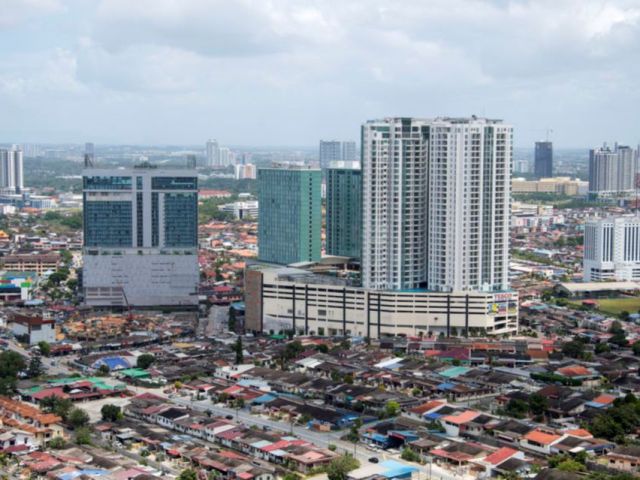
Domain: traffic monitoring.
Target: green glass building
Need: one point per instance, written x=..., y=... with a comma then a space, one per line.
x=344, y=209
x=289, y=209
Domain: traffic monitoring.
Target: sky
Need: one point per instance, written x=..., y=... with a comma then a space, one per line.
x=290, y=72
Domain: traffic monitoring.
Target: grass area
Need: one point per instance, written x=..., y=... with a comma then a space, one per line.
x=614, y=306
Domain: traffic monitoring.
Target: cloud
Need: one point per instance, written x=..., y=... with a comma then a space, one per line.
x=289, y=71
x=14, y=12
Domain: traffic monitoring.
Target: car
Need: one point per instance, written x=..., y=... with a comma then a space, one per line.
x=229, y=417
x=374, y=459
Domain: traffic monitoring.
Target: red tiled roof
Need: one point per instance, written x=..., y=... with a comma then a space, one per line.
x=540, y=437
x=575, y=371
x=425, y=407
x=604, y=399
x=501, y=455
x=461, y=418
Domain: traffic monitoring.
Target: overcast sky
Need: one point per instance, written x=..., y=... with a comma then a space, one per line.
x=289, y=72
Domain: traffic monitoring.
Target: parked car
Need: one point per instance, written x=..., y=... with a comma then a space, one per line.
x=374, y=459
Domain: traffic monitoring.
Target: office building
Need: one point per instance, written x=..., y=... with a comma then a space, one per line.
x=290, y=214
x=436, y=204
x=242, y=209
x=334, y=151
x=612, y=249
x=612, y=172
x=11, y=170
x=543, y=160
x=140, y=236
x=344, y=209
x=213, y=153
x=298, y=299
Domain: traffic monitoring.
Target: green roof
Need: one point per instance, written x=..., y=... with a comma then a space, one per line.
x=454, y=372
x=135, y=373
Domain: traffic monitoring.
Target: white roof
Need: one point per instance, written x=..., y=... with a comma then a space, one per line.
x=600, y=286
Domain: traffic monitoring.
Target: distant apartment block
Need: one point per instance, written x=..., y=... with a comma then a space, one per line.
x=344, y=209
x=554, y=185
x=612, y=249
x=140, y=236
x=335, y=150
x=212, y=150
x=37, y=263
x=245, y=171
x=612, y=172
x=543, y=160
x=11, y=170
x=290, y=214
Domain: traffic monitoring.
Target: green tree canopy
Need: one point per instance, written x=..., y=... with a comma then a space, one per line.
x=145, y=360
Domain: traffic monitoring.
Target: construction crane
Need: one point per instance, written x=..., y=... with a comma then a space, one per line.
x=127, y=304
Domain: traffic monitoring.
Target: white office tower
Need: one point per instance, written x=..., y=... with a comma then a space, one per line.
x=612, y=248
x=612, y=173
x=11, y=170
x=213, y=153
x=436, y=204
x=140, y=236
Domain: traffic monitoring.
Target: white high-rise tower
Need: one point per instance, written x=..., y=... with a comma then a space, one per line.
x=11, y=170
x=436, y=204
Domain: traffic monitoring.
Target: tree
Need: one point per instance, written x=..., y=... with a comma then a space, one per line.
x=538, y=404
x=11, y=363
x=103, y=370
x=35, y=368
x=573, y=349
x=392, y=408
x=239, y=350
x=410, y=455
x=111, y=413
x=517, y=408
x=339, y=468
x=570, y=465
x=78, y=418
x=636, y=349
x=188, y=474
x=145, y=360
x=232, y=319
x=292, y=350
x=57, y=443
x=83, y=436
x=56, y=405
x=45, y=348
x=602, y=348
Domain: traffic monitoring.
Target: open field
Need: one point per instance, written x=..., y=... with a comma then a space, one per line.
x=614, y=306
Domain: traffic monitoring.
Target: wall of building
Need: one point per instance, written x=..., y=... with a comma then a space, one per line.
x=150, y=279
x=337, y=310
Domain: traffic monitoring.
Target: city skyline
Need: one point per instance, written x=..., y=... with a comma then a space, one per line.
x=289, y=72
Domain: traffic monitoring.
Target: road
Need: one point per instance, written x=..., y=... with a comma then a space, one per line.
x=320, y=439
x=52, y=366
